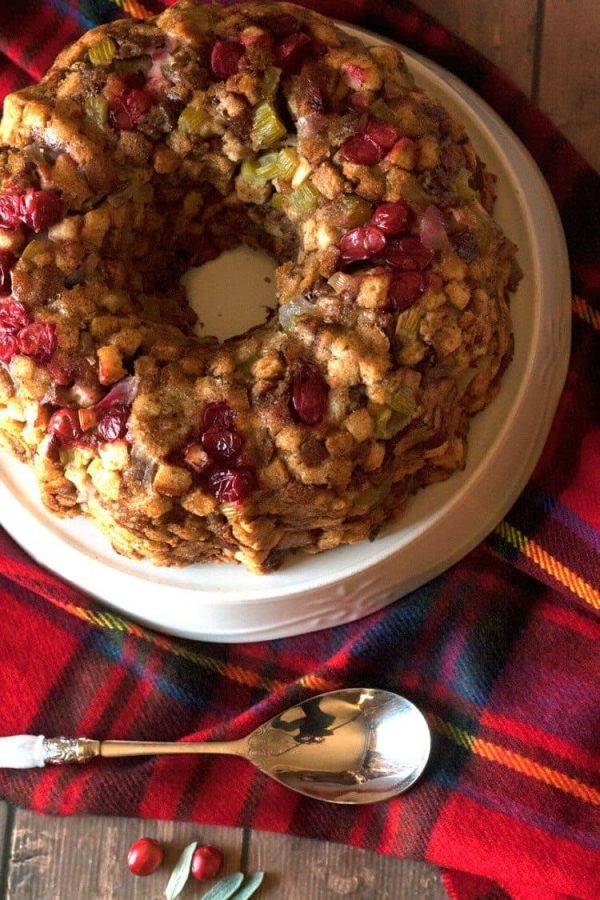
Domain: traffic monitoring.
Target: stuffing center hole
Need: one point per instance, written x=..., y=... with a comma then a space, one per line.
x=232, y=293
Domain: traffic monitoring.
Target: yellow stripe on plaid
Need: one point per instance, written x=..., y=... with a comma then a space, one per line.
x=549, y=564
x=133, y=8
x=516, y=761
x=586, y=312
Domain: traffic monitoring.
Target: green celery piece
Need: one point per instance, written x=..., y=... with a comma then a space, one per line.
x=305, y=198
x=249, y=172
x=102, y=53
x=267, y=127
x=407, y=326
x=268, y=166
x=403, y=400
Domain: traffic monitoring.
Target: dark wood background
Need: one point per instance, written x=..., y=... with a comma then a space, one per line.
x=551, y=49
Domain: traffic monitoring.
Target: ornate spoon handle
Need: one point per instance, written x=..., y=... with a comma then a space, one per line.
x=30, y=751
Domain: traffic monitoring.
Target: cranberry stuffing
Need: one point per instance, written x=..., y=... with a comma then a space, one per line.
x=383, y=133
x=126, y=109
x=222, y=444
x=145, y=856
x=232, y=485
x=361, y=243
x=309, y=395
x=38, y=340
x=283, y=25
x=362, y=150
x=64, y=424
x=408, y=253
x=219, y=414
x=292, y=51
x=7, y=261
x=225, y=59
x=405, y=289
x=10, y=209
x=8, y=345
x=206, y=863
x=40, y=209
x=113, y=424
x=391, y=218
x=13, y=315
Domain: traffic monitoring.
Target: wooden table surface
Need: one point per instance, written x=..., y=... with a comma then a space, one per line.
x=551, y=50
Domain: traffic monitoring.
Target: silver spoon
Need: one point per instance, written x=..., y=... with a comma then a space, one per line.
x=356, y=745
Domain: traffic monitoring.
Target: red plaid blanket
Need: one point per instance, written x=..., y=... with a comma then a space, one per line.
x=501, y=652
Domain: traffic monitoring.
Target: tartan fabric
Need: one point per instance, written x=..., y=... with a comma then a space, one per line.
x=501, y=652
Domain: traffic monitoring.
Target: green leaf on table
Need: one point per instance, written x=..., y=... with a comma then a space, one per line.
x=225, y=888
x=250, y=886
x=181, y=872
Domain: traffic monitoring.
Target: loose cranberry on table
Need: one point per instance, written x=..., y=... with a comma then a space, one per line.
x=309, y=397
x=206, y=863
x=225, y=58
x=145, y=856
x=363, y=242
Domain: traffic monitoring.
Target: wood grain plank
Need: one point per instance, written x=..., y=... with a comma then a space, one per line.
x=301, y=869
x=6, y=820
x=569, y=80
x=503, y=32
x=85, y=857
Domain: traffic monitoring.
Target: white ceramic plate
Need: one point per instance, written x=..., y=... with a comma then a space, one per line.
x=441, y=524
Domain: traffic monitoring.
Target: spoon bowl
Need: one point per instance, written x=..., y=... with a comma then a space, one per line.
x=354, y=745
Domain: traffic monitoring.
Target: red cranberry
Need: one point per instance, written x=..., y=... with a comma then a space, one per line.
x=292, y=51
x=219, y=414
x=64, y=424
x=113, y=424
x=7, y=261
x=230, y=485
x=408, y=253
x=355, y=75
x=225, y=59
x=405, y=289
x=391, y=218
x=222, y=444
x=309, y=395
x=383, y=133
x=128, y=108
x=8, y=345
x=206, y=863
x=362, y=150
x=10, y=209
x=13, y=315
x=40, y=209
x=38, y=340
x=361, y=243
x=145, y=856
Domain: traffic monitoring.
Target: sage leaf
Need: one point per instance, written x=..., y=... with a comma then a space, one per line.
x=250, y=886
x=181, y=872
x=225, y=888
